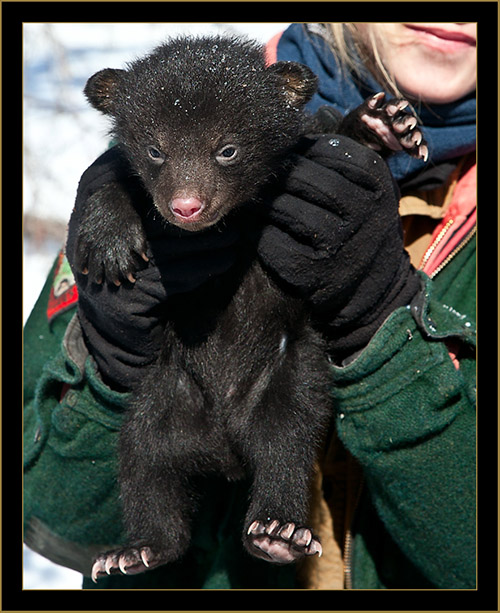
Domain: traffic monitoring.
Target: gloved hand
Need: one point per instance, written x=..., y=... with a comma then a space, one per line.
x=334, y=236
x=122, y=324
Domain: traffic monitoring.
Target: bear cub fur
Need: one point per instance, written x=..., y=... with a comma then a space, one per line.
x=241, y=386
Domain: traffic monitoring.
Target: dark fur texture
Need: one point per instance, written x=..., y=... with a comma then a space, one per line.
x=241, y=386
x=190, y=98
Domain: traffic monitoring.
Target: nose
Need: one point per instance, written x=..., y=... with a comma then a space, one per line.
x=187, y=208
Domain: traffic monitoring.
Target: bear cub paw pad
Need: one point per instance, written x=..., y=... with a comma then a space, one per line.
x=281, y=543
x=397, y=129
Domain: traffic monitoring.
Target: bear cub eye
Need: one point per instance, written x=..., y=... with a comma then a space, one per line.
x=227, y=155
x=155, y=155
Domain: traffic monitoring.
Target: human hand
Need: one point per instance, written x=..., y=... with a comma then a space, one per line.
x=334, y=237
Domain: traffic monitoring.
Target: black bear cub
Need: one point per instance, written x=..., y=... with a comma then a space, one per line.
x=241, y=386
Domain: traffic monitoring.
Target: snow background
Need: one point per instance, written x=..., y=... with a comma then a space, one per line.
x=62, y=136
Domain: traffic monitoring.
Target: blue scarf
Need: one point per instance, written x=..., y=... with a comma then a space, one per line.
x=450, y=129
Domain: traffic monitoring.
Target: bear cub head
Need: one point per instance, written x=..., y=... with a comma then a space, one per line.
x=204, y=122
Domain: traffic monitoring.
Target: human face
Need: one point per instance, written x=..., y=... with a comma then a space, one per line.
x=431, y=62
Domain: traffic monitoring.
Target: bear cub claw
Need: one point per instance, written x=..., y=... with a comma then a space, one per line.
x=110, y=248
x=281, y=543
x=396, y=129
x=130, y=561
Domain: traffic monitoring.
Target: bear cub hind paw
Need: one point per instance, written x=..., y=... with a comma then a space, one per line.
x=281, y=543
x=129, y=561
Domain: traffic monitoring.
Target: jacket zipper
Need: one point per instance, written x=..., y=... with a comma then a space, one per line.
x=435, y=243
x=457, y=249
x=348, y=542
x=348, y=560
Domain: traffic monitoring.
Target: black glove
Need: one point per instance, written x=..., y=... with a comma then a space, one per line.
x=122, y=324
x=335, y=237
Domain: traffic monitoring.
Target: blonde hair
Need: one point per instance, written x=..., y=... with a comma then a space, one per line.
x=350, y=47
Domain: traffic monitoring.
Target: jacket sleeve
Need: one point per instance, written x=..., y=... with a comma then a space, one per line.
x=407, y=414
x=71, y=425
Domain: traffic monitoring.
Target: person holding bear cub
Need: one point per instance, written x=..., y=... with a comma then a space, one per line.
x=394, y=499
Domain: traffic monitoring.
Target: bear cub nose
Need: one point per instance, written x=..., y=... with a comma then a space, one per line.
x=187, y=208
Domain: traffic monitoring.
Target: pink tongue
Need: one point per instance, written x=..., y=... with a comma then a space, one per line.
x=186, y=207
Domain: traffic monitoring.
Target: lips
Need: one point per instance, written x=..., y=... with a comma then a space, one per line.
x=443, y=37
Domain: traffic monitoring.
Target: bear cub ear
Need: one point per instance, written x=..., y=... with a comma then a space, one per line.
x=101, y=89
x=297, y=80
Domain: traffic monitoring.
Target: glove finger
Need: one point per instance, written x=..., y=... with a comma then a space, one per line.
x=328, y=188
x=357, y=164
x=306, y=222
x=340, y=153
x=148, y=291
x=295, y=263
x=110, y=167
x=121, y=344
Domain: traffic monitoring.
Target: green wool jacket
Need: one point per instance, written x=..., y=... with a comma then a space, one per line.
x=403, y=409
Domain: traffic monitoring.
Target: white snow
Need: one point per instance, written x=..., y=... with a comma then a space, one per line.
x=62, y=137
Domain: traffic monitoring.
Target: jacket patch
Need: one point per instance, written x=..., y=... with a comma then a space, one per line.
x=63, y=293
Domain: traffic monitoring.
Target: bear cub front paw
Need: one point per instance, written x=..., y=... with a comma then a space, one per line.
x=394, y=128
x=110, y=247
